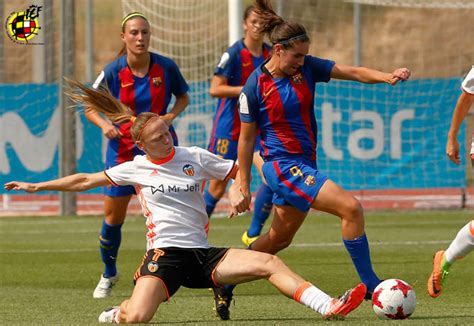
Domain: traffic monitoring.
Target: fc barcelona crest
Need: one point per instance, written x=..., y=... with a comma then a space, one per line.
x=297, y=78
x=188, y=169
x=310, y=181
x=156, y=81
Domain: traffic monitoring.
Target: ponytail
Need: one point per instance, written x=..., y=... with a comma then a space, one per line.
x=278, y=30
x=102, y=101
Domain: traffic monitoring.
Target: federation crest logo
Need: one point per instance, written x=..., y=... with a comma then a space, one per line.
x=188, y=169
x=156, y=81
x=152, y=266
x=23, y=26
x=310, y=181
x=297, y=78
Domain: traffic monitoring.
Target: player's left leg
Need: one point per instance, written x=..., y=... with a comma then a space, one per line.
x=335, y=200
x=241, y=266
x=262, y=206
x=148, y=294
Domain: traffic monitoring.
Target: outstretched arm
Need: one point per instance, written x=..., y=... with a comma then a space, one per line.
x=75, y=182
x=463, y=104
x=369, y=76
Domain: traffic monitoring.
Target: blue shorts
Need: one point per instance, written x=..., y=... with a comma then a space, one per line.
x=294, y=183
x=118, y=191
x=224, y=148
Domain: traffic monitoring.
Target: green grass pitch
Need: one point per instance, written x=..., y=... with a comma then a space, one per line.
x=49, y=267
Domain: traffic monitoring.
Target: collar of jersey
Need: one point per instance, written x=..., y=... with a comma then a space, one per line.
x=163, y=160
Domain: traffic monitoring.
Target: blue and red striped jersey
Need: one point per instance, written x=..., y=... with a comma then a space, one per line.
x=236, y=64
x=283, y=109
x=151, y=93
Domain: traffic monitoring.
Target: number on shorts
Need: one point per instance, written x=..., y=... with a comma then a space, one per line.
x=222, y=146
x=295, y=171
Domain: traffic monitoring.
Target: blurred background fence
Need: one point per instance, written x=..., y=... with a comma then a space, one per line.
x=386, y=144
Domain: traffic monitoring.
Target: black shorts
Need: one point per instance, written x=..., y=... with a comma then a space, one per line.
x=188, y=267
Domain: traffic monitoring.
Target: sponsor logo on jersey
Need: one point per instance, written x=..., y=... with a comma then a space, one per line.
x=154, y=173
x=188, y=169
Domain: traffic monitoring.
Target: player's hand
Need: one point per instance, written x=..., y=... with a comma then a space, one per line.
x=452, y=151
x=400, y=74
x=110, y=131
x=15, y=185
x=239, y=200
x=167, y=118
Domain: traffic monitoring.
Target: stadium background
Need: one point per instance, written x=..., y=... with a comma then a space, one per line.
x=385, y=144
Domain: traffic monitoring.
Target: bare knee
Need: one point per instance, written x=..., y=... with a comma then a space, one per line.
x=274, y=242
x=270, y=264
x=353, y=210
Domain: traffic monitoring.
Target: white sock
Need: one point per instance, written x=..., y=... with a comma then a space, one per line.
x=462, y=244
x=312, y=297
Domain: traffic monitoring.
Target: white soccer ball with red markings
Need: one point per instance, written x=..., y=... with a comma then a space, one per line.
x=394, y=299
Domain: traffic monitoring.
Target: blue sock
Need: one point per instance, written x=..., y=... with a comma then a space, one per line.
x=211, y=203
x=359, y=251
x=262, y=209
x=110, y=237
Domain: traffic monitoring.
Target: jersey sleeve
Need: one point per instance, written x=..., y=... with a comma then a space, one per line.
x=248, y=100
x=214, y=167
x=122, y=174
x=226, y=64
x=468, y=82
x=178, y=83
x=319, y=68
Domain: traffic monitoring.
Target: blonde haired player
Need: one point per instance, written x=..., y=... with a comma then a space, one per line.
x=168, y=179
x=463, y=243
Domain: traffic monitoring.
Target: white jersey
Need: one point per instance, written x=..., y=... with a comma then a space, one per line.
x=170, y=193
x=468, y=82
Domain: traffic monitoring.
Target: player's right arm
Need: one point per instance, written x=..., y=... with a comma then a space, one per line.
x=463, y=105
x=108, y=129
x=225, y=69
x=75, y=182
x=220, y=87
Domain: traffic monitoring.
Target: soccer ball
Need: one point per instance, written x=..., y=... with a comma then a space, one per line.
x=394, y=299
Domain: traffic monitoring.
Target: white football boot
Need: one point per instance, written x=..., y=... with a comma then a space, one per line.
x=108, y=315
x=104, y=287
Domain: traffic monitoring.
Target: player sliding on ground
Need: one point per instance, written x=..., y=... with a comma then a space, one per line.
x=464, y=241
x=167, y=180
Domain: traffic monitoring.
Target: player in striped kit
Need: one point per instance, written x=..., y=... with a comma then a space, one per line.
x=144, y=82
x=167, y=179
x=231, y=73
x=278, y=100
x=463, y=243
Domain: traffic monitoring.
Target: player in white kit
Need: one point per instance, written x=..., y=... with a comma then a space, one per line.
x=463, y=243
x=168, y=182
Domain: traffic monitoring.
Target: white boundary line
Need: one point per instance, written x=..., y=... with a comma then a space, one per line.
x=296, y=245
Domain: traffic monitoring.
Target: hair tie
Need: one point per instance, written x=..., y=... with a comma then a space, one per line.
x=132, y=15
